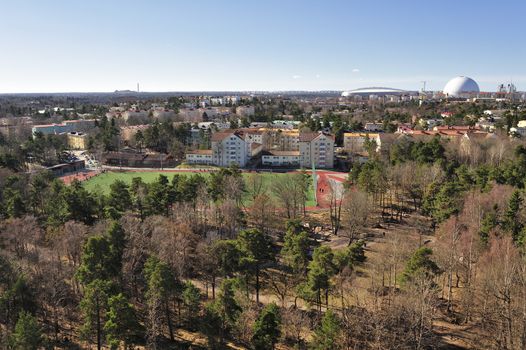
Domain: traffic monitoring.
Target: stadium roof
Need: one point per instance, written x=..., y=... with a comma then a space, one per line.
x=378, y=91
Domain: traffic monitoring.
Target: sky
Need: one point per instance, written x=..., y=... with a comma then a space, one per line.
x=267, y=45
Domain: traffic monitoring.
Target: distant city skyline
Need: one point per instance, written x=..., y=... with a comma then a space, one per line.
x=271, y=45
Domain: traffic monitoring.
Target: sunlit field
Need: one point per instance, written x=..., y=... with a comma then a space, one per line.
x=102, y=182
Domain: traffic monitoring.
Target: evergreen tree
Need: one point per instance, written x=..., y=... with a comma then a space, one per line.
x=117, y=241
x=94, y=307
x=96, y=260
x=158, y=197
x=121, y=323
x=228, y=257
x=15, y=205
x=512, y=222
x=102, y=256
x=80, y=204
x=295, y=251
x=321, y=269
x=212, y=326
x=256, y=250
x=27, y=334
x=191, y=299
x=420, y=263
x=119, y=199
x=350, y=256
x=161, y=287
x=17, y=297
x=227, y=305
x=267, y=328
x=327, y=334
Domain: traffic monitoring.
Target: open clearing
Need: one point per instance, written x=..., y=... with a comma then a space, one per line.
x=102, y=181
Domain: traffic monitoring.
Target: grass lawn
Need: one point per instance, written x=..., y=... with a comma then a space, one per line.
x=103, y=181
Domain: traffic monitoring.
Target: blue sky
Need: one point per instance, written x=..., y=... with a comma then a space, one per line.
x=96, y=45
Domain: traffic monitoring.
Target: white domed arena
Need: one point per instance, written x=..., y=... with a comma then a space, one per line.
x=461, y=87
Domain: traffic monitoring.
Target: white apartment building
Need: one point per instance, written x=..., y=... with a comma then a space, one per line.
x=239, y=146
x=316, y=149
x=281, y=158
x=200, y=157
x=229, y=148
x=255, y=135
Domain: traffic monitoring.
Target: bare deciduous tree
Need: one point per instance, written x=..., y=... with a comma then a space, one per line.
x=357, y=209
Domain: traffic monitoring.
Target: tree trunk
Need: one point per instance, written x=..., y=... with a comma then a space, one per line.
x=257, y=285
x=213, y=288
x=99, y=340
x=168, y=320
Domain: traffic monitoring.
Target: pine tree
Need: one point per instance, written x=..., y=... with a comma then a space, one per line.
x=295, y=251
x=321, y=269
x=102, y=256
x=256, y=250
x=191, y=300
x=94, y=306
x=119, y=199
x=512, y=224
x=121, y=323
x=27, y=334
x=420, y=263
x=161, y=287
x=267, y=328
x=327, y=334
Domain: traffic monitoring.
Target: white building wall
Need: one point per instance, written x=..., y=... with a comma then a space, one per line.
x=194, y=158
x=231, y=150
x=281, y=160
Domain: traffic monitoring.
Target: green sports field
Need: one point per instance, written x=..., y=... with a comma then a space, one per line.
x=103, y=181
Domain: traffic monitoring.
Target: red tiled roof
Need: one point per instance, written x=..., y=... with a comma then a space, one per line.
x=221, y=135
x=311, y=136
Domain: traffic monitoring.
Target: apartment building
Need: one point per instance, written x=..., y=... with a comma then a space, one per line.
x=316, y=148
x=290, y=149
x=200, y=156
x=64, y=127
x=229, y=147
x=281, y=159
x=355, y=142
x=281, y=140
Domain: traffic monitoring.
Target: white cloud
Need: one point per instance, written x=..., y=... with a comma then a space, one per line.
x=356, y=70
x=296, y=77
x=318, y=76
